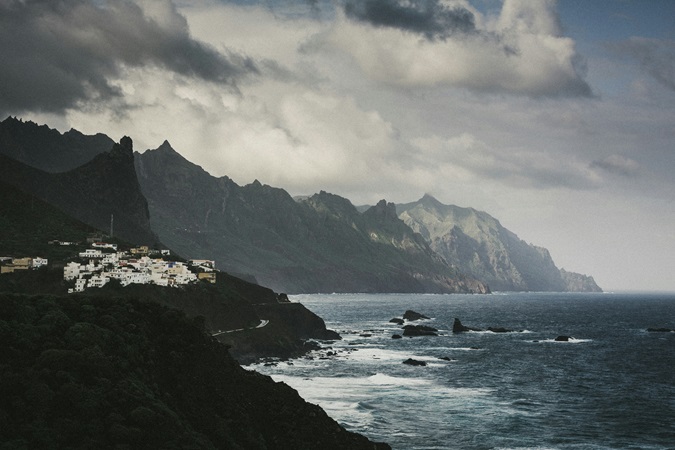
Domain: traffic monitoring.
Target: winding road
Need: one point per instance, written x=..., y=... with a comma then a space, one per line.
x=263, y=322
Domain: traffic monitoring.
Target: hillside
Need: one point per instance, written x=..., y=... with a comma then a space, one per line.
x=46, y=149
x=28, y=224
x=320, y=244
x=104, y=187
x=83, y=372
x=480, y=246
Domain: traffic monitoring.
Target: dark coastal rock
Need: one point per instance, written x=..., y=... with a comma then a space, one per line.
x=397, y=321
x=309, y=346
x=191, y=394
x=457, y=327
x=563, y=338
x=365, y=334
x=282, y=298
x=414, y=362
x=396, y=336
x=500, y=330
x=660, y=330
x=411, y=315
x=445, y=358
x=419, y=330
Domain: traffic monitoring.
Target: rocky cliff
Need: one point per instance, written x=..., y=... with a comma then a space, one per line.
x=319, y=244
x=105, y=188
x=577, y=282
x=480, y=246
x=85, y=372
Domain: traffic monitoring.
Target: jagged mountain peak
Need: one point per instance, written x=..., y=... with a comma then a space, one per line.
x=166, y=146
x=430, y=200
x=383, y=211
x=125, y=148
x=331, y=204
x=168, y=158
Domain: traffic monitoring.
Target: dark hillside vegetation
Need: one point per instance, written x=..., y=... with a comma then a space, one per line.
x=229, y=304
x=102, y=188
x=29, y=223
x=104, y=372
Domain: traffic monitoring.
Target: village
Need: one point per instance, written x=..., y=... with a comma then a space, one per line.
x=102, y=262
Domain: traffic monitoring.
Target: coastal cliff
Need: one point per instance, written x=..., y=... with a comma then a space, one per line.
x=86, y=372
x=478, y=245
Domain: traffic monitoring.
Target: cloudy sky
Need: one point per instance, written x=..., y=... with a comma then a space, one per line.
x=558, y=118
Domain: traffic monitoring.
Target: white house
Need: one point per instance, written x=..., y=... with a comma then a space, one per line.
x=205, y=264
x=80, y=284
x=104, y=245
x=91, y=253
x=97, y=281
x=38, y=262
x=110, y=259
x=71, y=271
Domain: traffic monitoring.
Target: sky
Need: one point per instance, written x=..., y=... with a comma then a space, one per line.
x=557, y=118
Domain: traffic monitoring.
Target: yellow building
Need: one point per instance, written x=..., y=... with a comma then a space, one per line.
x=208, y=276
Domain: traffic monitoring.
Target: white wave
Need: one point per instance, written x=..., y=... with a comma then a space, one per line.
x=387, y=380
x=526, y=448
x=378, y=355
x=570, y=341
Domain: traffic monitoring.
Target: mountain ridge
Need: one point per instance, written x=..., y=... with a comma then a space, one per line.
x=45, y=148
x=479, y=245
x=318, y=244
x=102, y=190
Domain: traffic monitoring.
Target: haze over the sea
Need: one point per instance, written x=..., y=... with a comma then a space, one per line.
x=557, y=118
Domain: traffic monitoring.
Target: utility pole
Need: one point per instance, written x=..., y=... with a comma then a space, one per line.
x=111, y=225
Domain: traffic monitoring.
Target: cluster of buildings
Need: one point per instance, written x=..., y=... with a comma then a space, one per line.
x=9, y=264
x=102, y=263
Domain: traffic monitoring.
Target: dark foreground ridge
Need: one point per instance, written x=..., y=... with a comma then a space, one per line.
x=100, y=372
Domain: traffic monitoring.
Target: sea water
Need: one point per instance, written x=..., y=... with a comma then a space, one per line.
x=611, y=386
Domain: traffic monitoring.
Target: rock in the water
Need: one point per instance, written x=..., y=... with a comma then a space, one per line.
x=414, y=362
x=412, y=315
x=396, y=336
x=563, y=338
x=419, y=330
x=397, y=321
x=457, y=327
x=499, y=330
x=659, y=330
x=445, y=358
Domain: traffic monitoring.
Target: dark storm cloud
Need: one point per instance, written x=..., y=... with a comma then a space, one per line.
x=429, y=18
x=57, y=53
x=657, y=57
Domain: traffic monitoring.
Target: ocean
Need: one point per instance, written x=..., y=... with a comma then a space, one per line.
x=611, y=386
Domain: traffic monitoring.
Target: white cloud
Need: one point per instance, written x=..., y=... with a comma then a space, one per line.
x=468, y=158
x=521, y=53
